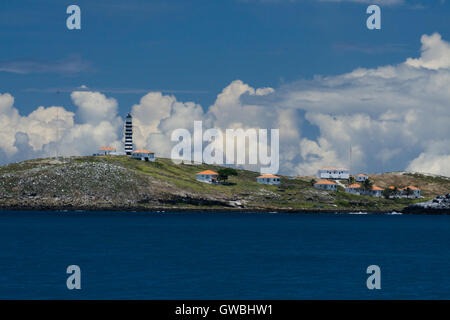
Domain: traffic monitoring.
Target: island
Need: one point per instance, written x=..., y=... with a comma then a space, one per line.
x=126, y=184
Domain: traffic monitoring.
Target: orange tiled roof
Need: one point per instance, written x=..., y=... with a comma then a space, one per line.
x=333, y=168
x=324, y=181
x=411, y=187
x=268, y=175
x=107, y=148
x=208, y=172
x=376, y=188
x=142, y=151
x=362, y=175
x=355, y=185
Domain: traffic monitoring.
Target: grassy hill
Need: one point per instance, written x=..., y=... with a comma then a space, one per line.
x=430, y=185
x=118, y=182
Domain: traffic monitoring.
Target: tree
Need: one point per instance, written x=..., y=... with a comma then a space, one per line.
x=313, y=182
x=224, y=173
x=388, y=192
x=351, y=180
x=367, y=185
x=395, y=191
x=408, y=192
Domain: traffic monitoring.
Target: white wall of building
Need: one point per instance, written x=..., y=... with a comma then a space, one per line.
x=353, y=190
x=208, y=178
x=270, y=180
x=143, y=156
x=376, y=193
x=329, y=187
x=333, y=174
x=361, y=178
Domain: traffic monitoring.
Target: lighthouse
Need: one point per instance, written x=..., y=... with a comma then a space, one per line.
x=129, y=134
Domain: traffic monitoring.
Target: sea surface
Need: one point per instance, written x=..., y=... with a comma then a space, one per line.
x=158, y=255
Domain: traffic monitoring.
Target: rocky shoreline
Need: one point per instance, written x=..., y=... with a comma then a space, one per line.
x=438, y=205
x=205, y=209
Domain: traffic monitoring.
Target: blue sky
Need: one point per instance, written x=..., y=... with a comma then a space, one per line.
x=193, y=49
x=216, y=54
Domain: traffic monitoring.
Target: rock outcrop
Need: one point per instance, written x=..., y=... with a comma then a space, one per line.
x=440, y=204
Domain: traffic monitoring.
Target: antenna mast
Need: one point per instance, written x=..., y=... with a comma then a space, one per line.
x=57, y=125
x=350, y=157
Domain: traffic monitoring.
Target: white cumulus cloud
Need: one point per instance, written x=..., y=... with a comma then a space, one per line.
x=394, y=117
x=48, y=131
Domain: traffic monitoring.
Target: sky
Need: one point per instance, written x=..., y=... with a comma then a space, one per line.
x=308, y=67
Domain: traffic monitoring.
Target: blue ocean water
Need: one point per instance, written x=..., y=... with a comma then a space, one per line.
x=223, y=255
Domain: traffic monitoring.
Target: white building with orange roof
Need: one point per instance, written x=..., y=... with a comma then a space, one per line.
x=207, y=176
x=333, y=173
x=143, y=154
x=354, y=188
x=361, y=177
x=326, y=185
x=104, y=151
x=268, y=179
x=376, y=191
x=414, y=192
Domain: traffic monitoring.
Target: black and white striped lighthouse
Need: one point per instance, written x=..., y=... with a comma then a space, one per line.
x=129, y=134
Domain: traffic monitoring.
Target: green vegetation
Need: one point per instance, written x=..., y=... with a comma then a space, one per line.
x=224, y=173
x=429, y=185
x=408, y=192
x=367, y=185
x=388, y=192
x=351, y=180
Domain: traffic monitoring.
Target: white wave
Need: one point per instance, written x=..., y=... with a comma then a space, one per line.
x=394, y=213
